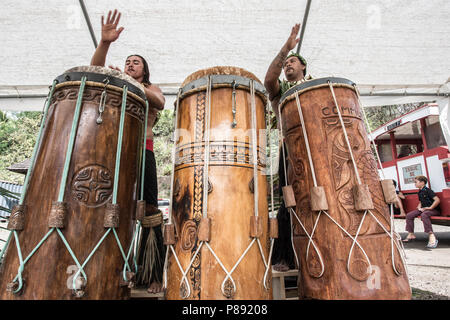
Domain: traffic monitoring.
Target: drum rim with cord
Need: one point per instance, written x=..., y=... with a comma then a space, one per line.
x=314, y=84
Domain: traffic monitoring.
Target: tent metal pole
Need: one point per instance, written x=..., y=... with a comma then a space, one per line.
x=88, y=21
x=405, y=94
x=302, y=31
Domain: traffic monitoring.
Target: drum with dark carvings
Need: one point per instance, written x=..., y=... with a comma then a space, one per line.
x=224, y=259
x=73, y=232
x=344, y=252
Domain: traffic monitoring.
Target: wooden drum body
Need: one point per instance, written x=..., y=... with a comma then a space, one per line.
x=344, y=253
x=210, y=247
x=95, y=220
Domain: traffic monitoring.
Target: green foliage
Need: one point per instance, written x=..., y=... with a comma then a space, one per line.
x=18, y=134
x=165, y=125
x=377, y=116
x=3, y=116
x=163, y=133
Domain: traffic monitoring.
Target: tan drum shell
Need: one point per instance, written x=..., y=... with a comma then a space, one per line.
x=334, y=171
x=48, y=273
x=230, y=201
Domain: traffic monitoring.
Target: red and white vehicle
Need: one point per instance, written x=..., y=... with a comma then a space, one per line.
x=413, y=145
x=163, y=205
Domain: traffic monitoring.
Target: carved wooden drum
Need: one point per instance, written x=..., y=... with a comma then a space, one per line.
x=342, y=228
x=219, y=211
x=72, y=232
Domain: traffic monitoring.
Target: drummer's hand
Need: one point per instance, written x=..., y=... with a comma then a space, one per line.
x=114, y=67
x=292, y=41
x=110, y=33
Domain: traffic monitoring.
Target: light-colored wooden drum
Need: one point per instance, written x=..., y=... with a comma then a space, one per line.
x=71, y=235
x=219, y=209
x=342, y=228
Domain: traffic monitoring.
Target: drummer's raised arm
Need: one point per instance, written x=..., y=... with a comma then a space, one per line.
x=110, y=33
x=274, y=71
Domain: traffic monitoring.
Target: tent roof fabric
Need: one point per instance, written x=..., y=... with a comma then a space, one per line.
x=367, y=41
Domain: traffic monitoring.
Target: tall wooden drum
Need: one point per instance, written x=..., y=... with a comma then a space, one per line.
x=73, y=230
x=342, y=228
x=219, y=209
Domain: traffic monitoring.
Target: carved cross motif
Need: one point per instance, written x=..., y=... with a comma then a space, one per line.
x=92, y=185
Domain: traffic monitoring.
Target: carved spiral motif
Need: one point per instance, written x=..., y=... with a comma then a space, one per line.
x=313, y=265
x=359, y=269
x=188, y=235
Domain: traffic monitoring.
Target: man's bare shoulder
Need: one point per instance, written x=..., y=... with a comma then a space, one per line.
x=152, y=87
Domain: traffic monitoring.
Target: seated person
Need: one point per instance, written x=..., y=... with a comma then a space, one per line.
x=428, y=206
x=405, y=150
x=398, y=205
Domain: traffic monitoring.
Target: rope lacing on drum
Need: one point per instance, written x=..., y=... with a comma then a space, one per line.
x=32, y=161
x=228, y=277
x=391, y=206
x=358, y=178
x=17, y=283
x=270, y=156
x=255, y=195
x=354, y=239
x=292, y=211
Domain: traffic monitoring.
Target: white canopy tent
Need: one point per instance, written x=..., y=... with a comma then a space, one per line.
x=396, y=51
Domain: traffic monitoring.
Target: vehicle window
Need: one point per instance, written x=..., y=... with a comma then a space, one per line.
x=404, y=150
x=434, y=136
x=384, y=150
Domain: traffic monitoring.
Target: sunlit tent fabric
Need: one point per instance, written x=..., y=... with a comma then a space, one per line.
x=384, y=46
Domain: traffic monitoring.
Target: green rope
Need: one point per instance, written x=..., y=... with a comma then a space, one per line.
x=21, y=266
x=143, y=154
x=119, y=144
x=81, y=269
x=125, y=258
x=72, y=254
x=5, y=247
x=138, y=224
x=23, y=262
x=138, y=234
x=126, y=265
x=37, y=144
x=73, y=132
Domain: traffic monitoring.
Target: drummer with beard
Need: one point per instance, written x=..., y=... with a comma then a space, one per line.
x=151, y=248
x=294, y=67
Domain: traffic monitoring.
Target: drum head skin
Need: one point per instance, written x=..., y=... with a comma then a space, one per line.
x=224, y=76
x=102, y=75
x=223, y=70
x=313, y=84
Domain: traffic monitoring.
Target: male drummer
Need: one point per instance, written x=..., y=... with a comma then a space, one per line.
x=151, y=249
x=294, y=67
